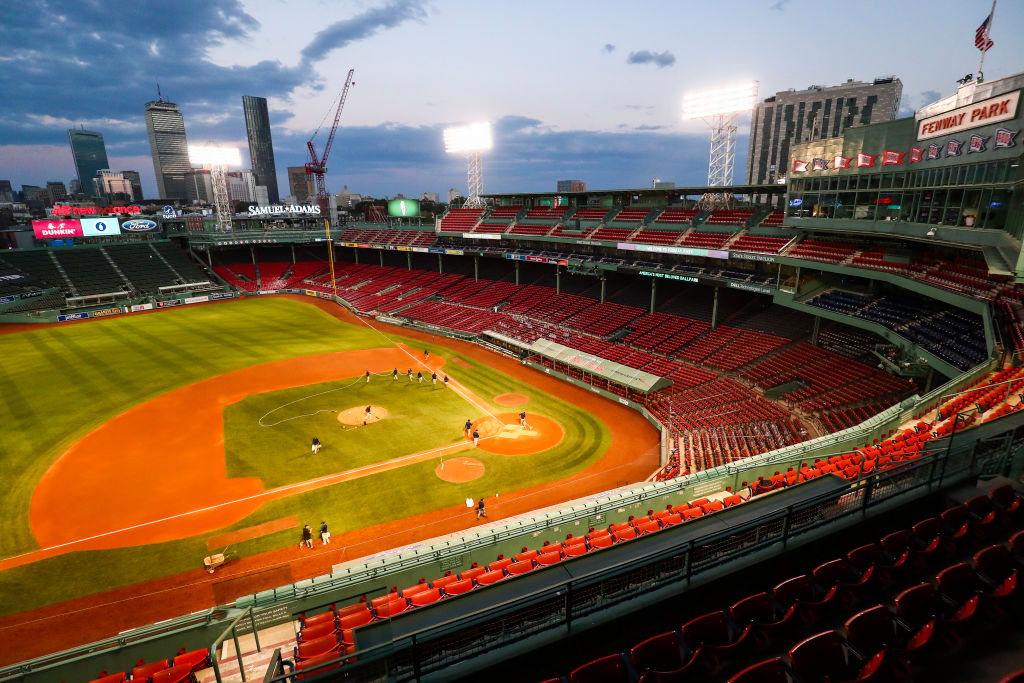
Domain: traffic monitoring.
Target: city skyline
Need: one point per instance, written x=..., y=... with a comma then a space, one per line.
x=595, y=97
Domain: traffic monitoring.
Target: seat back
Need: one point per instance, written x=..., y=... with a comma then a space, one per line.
x=995, y=562
x=663, y=652
x=426, y=597
x=459, y=587
x=918, y=604
x=819, y=657
x=871, y=630
x=958, y=581
x=608, y=669
x=769, y=671
x=708, y=629
x=792, y=591
x=755, y=609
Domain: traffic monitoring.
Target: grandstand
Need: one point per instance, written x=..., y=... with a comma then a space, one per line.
x=838, y=395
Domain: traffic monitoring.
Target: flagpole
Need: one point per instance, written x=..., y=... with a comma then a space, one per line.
x=981, y=62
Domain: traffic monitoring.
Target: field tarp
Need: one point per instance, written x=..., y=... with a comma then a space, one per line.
x=601, y=367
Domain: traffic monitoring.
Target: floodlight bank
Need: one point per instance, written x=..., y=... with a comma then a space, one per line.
x=735, y=98
x=475, y=137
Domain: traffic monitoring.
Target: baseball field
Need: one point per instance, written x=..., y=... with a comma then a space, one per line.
x=133, y=447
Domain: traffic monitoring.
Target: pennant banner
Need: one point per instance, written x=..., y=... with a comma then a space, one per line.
x=864, y=160
x=890, y=157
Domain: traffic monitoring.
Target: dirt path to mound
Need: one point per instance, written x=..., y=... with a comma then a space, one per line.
x=632, y=456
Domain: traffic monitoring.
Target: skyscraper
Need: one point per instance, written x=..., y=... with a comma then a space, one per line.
x=300, y=185
x=261, y=146
x=135, y=179
x=816, y=113
x=169, y=148
x=90, y=155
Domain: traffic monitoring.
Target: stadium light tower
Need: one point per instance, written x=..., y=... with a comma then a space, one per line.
x=470, y=140
x=720, y=108
x=217, y=159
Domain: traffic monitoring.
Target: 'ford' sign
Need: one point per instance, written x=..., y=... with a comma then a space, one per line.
x=139, y=225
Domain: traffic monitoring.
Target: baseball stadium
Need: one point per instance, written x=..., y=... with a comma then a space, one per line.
x=765, y=432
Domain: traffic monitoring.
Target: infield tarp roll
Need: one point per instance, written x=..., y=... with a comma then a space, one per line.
x=602, y=367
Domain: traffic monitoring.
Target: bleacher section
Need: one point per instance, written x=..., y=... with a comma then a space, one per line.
x=729, y=217
x=831, y=251
x=90, y=271
x=769, y=245
x=460, y=220
x=144, y=269
x=952, y=334
x=677, y=216
x=40, y=265
x=706, y=240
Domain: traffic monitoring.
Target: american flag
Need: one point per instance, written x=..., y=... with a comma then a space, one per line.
x=981, y=39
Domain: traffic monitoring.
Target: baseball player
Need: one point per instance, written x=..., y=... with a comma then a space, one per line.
x=446, y=384
x=419, y=377
x=367, y=376
x=426, y=354
x=433, y=378
x=522, y=419
x=476, y=437
x=480, y=509
x=394, y=375
x=469, y=428
x=316, y=445
x=409, y=373
x=368, y=415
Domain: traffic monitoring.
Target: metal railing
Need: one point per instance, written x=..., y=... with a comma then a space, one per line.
x=670, y=569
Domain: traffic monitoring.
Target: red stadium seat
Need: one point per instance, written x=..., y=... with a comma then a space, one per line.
x=459, y=587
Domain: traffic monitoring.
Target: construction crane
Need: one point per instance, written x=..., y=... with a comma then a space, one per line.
x=317, y=165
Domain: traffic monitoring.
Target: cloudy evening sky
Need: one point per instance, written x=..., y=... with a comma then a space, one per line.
x=585, y=89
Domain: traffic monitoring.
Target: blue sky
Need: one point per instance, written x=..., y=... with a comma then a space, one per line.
x=577, y=89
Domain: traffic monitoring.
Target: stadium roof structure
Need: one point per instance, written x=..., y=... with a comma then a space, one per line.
x=764, y=188
x=602, y=367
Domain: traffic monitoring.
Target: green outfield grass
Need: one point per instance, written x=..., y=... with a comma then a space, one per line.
x=420, y=417
x=59, y=383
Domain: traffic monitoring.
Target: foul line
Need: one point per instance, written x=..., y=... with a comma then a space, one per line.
x=263, y=494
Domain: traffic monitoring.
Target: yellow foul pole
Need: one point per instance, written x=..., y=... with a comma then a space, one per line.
x=330, y=255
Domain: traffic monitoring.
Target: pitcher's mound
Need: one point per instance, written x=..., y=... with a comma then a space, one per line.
x=458, y=470
x=511, y=439
x=356, y=416
x=510, y=399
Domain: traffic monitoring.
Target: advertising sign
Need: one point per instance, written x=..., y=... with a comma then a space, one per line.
x=105, y=312
x=6, y=299
x=168, y=304
x=278, y=210
x=65, y=227
x=196, y=299
x=142, y=307
x=72, y=316
x=139, y=225
x=992, y=110
x=96, y=227
x=669, y=276
x=217, y=296
x=404, y=208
